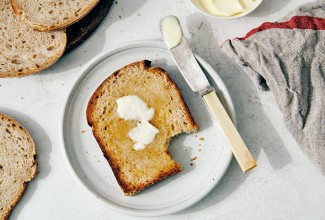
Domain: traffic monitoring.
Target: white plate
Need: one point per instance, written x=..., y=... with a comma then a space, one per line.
x=173, y=194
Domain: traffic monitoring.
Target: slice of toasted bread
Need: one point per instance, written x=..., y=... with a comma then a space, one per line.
x=137, y=170
x=17, y=163
x=49, y=15
x=24, y=51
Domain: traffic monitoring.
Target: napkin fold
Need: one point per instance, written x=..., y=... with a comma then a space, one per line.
x=288, y=57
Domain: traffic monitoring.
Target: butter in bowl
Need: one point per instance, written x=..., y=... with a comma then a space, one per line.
x=226, y=9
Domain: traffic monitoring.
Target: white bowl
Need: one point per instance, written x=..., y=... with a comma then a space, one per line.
x=201, y=9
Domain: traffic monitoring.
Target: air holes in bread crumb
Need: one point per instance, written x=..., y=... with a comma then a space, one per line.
x=15, y=61
x=50, y=48
x=8, y=46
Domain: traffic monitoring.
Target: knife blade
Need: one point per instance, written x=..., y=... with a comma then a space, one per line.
x=183, y=56
x=190, y=69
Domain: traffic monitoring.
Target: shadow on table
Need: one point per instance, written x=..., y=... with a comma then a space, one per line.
x=253, y=124
x=269, y=7
x=43, y=149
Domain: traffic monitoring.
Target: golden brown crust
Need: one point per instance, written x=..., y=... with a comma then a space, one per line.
x=130, y=191
x=62, y=25
x=134, y=188
x=23, y=187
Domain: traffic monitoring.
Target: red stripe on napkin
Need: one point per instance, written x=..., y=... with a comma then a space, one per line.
x=299, y=22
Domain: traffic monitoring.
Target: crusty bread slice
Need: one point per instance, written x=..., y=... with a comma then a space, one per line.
x=137, y=170
x=24, y=51
x=49, y=15
x=17, y=163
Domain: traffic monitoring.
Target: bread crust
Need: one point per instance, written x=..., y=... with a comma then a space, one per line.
x=132, y=190
x=61, y=25
x=22, y=189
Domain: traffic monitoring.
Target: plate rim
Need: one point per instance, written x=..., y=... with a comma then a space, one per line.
x=113, y=206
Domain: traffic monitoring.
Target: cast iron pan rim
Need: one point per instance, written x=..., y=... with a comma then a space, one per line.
x=83, y=29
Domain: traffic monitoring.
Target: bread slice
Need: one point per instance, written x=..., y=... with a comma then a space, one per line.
x=24, y=51
x=17, y=163
x=49, y=15
x=137, y=170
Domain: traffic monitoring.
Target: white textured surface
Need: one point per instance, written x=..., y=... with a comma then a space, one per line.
x=285, y=185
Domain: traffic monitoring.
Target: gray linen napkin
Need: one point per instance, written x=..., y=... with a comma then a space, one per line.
x=289, y=58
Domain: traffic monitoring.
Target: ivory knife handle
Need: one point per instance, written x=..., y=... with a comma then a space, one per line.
x=236, y=143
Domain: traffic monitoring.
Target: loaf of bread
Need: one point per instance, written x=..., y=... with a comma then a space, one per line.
x=49, y=15
x=136, y=170
x=24, y=51
x=17, y=163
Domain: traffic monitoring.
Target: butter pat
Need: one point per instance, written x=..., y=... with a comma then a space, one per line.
x=133, y=108
x=223, y=7
x=171, y=31
x=143, y=134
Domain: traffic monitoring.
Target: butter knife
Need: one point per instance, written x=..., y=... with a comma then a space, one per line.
x=183, y=56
